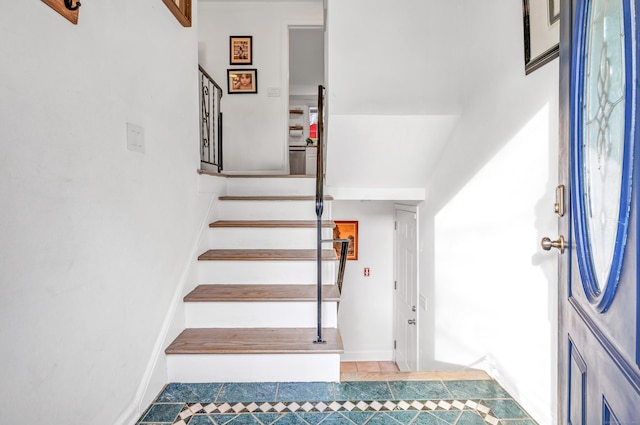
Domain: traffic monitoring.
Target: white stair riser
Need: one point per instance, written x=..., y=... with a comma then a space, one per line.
x=265, y=238
x=265, y=272
x=274, y=187
x=199, y=368
x=271, y=210
x=259, y=314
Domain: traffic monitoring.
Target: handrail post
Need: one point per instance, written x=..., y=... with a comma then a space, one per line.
x=319, y=339
x=320, y=208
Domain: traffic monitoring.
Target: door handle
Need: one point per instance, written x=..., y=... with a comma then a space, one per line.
x=411, y=321
x=560, y=244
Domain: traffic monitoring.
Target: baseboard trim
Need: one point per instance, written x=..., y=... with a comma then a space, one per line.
x=129, y=415
x=537, y=408
x=256, y=173
x=145, y=393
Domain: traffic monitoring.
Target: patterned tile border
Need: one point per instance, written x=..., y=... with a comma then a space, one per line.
x=375, y=406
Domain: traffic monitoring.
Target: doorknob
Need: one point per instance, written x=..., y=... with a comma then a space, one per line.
x=547, y=244
x=411, y=321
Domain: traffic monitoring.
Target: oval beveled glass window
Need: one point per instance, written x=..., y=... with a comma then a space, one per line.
x=603, y=133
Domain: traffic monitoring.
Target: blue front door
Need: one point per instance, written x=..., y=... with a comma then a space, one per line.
x=599, y=341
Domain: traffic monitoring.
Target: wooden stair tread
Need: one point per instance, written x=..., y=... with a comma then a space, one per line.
x=255, y=341
x=266, y=255
x=239, y=293
x=260, y=176
x=272, y=198
x=272, y=223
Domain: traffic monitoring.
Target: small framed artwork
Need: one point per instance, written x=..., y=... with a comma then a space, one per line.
x=242, y=81
x=541, y=19
x=347, y=230
x=241, y=50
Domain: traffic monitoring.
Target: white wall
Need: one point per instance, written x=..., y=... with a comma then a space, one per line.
x=491, y=290
x=384, y=156
x=432, y=95
x=393, y=92
x=365, y=316
x=255, y=137
x=399, y=57
x=94, y=238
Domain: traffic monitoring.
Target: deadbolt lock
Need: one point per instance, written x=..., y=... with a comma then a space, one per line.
x=559, y=205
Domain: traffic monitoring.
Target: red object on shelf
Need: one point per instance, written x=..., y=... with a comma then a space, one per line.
x=313, y=131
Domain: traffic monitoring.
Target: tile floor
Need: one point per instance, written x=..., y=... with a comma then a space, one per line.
x=386, y=401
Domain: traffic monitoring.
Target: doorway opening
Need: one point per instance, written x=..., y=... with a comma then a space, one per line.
x=306, y=72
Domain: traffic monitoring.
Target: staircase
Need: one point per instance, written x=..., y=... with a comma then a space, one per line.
x=253, y=318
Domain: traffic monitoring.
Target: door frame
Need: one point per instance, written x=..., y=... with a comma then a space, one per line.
x=412, y=209
x=567, y=15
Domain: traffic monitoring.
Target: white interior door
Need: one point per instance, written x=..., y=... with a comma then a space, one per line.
x=406, y=284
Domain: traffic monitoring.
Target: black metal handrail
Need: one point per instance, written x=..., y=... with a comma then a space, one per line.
x=344, y=243
x=210, y=121
x=342, y=261
x=320, y=207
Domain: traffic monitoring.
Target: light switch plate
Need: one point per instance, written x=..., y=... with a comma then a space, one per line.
x=135, y=138
x=273, y=92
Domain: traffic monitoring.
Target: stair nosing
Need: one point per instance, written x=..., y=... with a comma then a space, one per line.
x=260, y=255
x=258, y=176
x=272, y=198
x=295, y=224
x=204, y=341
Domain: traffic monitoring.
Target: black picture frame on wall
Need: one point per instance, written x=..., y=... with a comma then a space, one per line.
x=242, y=81
x=541, y=21
x=241, y=50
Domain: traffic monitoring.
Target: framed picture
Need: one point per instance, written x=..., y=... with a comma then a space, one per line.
x=541, y=20
x=181, y=9
x=240, y=50
x=242, y=81
x=347, y=230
